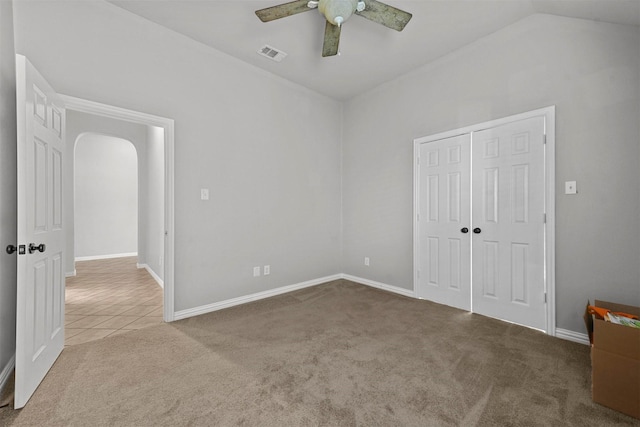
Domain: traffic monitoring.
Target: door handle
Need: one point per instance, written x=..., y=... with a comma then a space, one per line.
x=477, y=230
x=465, y=230
x=21, y=249
x=33, y=247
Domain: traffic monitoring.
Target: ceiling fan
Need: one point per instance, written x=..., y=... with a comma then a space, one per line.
x=336, y=13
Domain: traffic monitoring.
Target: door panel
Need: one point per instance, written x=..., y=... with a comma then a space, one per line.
x=508, y=194
x=40, y=285
x=444, y=210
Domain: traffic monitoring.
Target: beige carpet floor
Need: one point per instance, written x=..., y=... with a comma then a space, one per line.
x=338, y=354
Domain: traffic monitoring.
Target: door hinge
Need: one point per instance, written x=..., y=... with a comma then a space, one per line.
x=544, y=218
x=544, y=138
x=545, y=297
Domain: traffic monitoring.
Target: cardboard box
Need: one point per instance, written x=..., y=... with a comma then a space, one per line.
x=615, y=361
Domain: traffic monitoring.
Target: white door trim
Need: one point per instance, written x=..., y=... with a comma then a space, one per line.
x=549, y=113
x=91, y=107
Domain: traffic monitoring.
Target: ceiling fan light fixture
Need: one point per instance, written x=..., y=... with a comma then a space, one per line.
x=337, y=11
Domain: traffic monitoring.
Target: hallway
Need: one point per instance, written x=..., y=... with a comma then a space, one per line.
x=109, y=297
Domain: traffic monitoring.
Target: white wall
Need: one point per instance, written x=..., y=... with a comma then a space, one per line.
x=268, y=150
x=8, y=185
x=590, y=71
x=78, y=124
x=154, y=241
x=106, y=196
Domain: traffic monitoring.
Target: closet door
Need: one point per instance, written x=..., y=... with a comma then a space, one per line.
x=508, y=222
x=444, y=221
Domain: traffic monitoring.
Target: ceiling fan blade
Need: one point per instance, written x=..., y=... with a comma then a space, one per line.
x=386, y=15
x=331, y=40
x=282, y=10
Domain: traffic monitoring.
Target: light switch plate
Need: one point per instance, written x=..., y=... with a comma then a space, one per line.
x=204, y=194
x=570, y=187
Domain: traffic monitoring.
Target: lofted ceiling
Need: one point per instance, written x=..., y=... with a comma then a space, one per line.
x=370, y=54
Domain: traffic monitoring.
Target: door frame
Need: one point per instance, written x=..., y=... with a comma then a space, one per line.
x=549, y=113
x=113, y=112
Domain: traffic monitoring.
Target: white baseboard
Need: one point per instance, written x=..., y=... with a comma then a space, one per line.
x=6, y=372
x=396, y=290
x=196, y=311
x=152, y=273
x=96, y=257
x=568, y=335
x=72, y=274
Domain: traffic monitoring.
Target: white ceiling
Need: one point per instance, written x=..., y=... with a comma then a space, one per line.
x=370, y=53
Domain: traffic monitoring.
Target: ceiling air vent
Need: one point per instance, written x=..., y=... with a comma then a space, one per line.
x=272, y=53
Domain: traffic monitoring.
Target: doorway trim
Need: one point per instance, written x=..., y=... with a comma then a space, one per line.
x=549, y=113
x=113, y=112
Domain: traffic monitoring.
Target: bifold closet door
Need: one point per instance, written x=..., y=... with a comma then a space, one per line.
x=444, y=221
x=508, y=222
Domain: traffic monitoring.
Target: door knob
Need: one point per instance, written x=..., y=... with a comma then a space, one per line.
x=465, y=230
x=11, y=249
x=33, y=247
x=477, y=230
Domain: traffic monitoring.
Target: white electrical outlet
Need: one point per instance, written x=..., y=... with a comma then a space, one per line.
x=256, y=271
x=266, y=270
x=366, y=261
x=204, y=194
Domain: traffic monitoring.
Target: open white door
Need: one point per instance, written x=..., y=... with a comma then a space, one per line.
x=40, y=293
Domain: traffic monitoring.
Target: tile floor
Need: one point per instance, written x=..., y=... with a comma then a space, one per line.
x=109, y=297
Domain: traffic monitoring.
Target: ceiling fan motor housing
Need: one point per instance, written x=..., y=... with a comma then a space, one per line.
x=337, y=11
